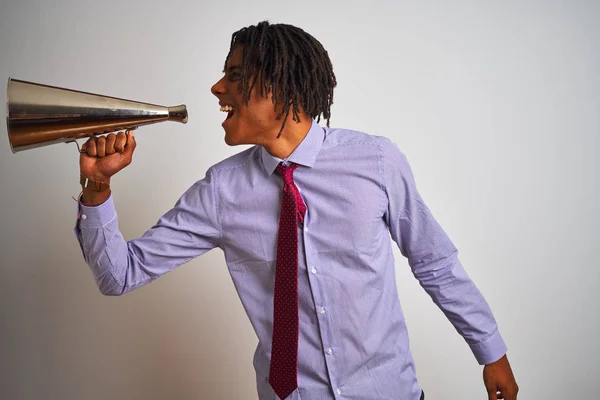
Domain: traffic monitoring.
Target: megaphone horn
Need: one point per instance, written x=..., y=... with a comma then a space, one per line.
x=39, y=115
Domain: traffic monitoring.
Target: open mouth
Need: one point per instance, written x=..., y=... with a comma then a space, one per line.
x=229, y=110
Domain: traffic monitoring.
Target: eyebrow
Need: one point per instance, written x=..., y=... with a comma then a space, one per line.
x=232, y=67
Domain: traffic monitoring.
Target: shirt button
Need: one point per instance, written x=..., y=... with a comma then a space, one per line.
x=313, y=270
x=321, y=311
x=306, y=229
x=330, y=351
x=338, y=391
x=83, y=216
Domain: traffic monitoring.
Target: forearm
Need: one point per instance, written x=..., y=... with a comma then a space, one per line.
x=449, y=286
x=104, y=248
x=114, y=262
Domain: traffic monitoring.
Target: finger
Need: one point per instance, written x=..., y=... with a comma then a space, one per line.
x=120, y=142
x=110, y=144
x=91, y=147
x=130, y=145
x=507, y=394
x=101, y=146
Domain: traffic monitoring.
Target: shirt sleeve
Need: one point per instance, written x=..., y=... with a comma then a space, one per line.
x=186, y=231
x=434, y=261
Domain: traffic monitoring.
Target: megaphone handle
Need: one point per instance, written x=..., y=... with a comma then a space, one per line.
x=79, y=148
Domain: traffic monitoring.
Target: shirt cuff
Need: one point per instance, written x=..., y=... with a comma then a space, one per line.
x=91, y=217
x=490, y=350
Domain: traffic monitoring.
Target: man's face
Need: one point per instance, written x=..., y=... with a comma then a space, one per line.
x=255, y=123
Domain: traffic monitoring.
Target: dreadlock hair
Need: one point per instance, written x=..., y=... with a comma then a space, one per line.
x=289, y=63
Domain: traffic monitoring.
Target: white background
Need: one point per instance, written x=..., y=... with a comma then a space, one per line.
x=496, y=105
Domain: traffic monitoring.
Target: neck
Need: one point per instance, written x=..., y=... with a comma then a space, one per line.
x=292, y=135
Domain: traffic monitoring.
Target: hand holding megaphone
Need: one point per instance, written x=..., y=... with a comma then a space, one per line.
x=40, y=115
x=103, y=156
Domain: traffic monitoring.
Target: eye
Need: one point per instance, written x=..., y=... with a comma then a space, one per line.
x=234, y=76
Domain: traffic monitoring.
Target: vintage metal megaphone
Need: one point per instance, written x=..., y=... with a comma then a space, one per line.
x=40, y=115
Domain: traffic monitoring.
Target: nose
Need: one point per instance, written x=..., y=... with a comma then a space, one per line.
x=218, y=88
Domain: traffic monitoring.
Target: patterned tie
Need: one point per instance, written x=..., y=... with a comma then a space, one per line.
x=283, y=374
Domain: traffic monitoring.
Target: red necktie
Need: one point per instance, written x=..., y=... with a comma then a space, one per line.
x=283, y=374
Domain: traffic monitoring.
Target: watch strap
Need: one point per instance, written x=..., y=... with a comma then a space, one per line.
x=96, y=186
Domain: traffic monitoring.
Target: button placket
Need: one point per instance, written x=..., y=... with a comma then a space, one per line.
x=319, y=300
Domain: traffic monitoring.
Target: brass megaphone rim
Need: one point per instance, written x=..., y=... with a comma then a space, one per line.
x=8, y=115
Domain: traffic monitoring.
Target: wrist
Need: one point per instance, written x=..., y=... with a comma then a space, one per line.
x=94, y=191
x=92, y=198
x=94, y=183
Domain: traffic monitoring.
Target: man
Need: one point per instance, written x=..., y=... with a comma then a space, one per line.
x=304, y=219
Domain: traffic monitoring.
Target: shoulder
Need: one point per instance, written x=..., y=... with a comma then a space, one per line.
x=224, y=169
x=238, y=160
x=344, y=137
x=387, y=149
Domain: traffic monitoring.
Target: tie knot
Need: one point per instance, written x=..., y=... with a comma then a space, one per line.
x=287, y=172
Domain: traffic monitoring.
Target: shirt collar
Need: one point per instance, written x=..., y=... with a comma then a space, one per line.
x=305, y=153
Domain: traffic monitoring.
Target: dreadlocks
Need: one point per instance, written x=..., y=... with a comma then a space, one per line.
x=290, y=64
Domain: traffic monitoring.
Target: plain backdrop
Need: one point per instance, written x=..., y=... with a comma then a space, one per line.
x=496, y=105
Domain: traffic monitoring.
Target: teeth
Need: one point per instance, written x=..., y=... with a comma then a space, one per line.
x=226, y=108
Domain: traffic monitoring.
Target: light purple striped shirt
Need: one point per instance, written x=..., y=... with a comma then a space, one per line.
x=359, y=190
